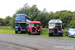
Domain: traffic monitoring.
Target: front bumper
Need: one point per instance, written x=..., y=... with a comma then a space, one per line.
x=71, y=35
x=58, y=32
x=36, y=32
x=22, y=30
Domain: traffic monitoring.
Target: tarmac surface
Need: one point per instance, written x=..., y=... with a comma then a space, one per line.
x=8, y=46
x=25, y=42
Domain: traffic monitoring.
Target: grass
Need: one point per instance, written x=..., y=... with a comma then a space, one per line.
x=6, y=27
x=44, y=33
x=7, y=31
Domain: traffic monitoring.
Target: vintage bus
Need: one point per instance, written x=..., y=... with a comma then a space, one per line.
x=21, y=23
x=55, y=27
x=34, y=27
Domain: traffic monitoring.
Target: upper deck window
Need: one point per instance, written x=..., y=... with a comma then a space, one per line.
x=27, y=17
x=20, y=16
x=17, y=16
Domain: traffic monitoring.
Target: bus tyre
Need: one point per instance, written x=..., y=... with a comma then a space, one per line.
x=28, y=33
x=49, y=35
x=24, y=31
x=16, y=32
x=38, y=33
x=61, y=35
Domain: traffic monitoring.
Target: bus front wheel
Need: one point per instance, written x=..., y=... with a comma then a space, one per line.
x=16, y=32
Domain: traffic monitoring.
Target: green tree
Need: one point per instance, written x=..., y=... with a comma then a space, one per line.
x=13, y=21
x=43, y=16
x=72, y=22
x=32, y=12
x=65, y=16
x=1, y=22
x=7, y=21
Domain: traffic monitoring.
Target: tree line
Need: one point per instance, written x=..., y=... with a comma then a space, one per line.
x=5, y=21
x=67, y=17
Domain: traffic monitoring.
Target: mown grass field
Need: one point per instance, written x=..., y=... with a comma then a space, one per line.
x=9, y=30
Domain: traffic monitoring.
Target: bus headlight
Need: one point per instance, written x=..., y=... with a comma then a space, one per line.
x=23, y=29
x=39, y=30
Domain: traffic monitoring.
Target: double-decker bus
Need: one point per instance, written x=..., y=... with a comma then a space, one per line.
x=21, y=23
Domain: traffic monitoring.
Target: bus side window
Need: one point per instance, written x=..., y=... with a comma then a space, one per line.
x=27, y=17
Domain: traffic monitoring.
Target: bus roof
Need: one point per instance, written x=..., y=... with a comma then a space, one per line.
x=23, y=15
x=35, y=22
x=55, y=21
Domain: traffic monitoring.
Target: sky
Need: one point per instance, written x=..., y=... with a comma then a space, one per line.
x=9, y=7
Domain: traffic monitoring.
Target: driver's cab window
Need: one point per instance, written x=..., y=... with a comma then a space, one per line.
x=16, y=24
x=22, y=24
